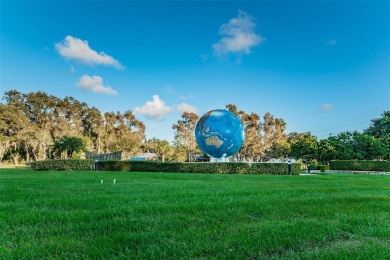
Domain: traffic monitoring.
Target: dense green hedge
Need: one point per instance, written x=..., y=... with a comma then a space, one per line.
x=383, y=166
x=150, y=166
x=62, y=165
x=123, y=166
x=199, y=167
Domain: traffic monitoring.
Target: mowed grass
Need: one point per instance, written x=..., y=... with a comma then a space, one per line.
x=71, y=215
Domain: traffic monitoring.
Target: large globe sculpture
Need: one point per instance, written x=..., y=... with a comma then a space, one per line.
x=219, y=133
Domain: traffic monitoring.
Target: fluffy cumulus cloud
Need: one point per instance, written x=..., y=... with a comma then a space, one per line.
x=154, y=110
x=185, y=107
x=238, y=36
x=326, y=107
x=77, y=49
x=95, y=84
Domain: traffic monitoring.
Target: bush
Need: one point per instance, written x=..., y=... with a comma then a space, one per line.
x=323, y=168
x=274, y=168
x=122, y=166
x=313, y=164
x=383, y=166
x=199, y=167
x=62, y=165
x=151, y=166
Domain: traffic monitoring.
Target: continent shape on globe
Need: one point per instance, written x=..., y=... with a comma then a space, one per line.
x=219, y=133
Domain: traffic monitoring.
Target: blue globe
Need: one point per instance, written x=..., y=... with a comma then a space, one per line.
x=219, y=133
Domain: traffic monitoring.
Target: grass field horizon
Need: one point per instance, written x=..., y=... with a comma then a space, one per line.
x=71, y=214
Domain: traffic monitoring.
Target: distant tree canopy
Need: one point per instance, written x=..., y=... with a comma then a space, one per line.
x=33, y=125
x=380, y=129
x=373, y=143
x=36, y=126
x=69, y=145
x=303, y=145
x=185, y=135
x=263, y=139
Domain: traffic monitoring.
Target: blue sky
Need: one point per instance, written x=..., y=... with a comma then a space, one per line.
x=323, y=67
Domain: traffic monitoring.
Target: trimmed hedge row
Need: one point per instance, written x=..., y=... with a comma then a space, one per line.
x=382, y=166
x=62, y=165
x=200, y=167
x=150, y=166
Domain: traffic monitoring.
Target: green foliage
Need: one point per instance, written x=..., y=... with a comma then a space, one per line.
x=165, y=151
x=123, y=166
x=303, y=145
x=68, y=144
x=152, y=166
x=312, y=163
x=274, y=168
x=217, y=168
x=351, y=165
x=62, y=165
x=184, y=134
x=323, y=168
x=380, y=129
x=315, y=166
x=352, y=146
x=33, y=126
x=326, y=150
x=263, y=139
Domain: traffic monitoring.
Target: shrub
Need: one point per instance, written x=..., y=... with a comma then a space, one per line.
x=62, y=165
x=274, y=168
x=313, y=164
x=122, y=166
x=323, y=168
x=151, y=166
x=199, y=167
x=355, y=165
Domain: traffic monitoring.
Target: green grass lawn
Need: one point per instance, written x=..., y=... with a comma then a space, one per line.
x=161, y=215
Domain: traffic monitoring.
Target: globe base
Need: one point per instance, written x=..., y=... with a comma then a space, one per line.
x=221, y=159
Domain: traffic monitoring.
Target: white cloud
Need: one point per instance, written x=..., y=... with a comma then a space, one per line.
x=185, y=107
x=326, y=107
x=332, y=42
x=239, y=36
x=77, y=49
x=95, y=84
x=154, y=110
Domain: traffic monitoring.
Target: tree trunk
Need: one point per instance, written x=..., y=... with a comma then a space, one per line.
x=15, y=158
x=27, y=156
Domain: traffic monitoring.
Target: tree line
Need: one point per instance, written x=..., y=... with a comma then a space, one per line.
x=37, y=126
x=371, y=144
